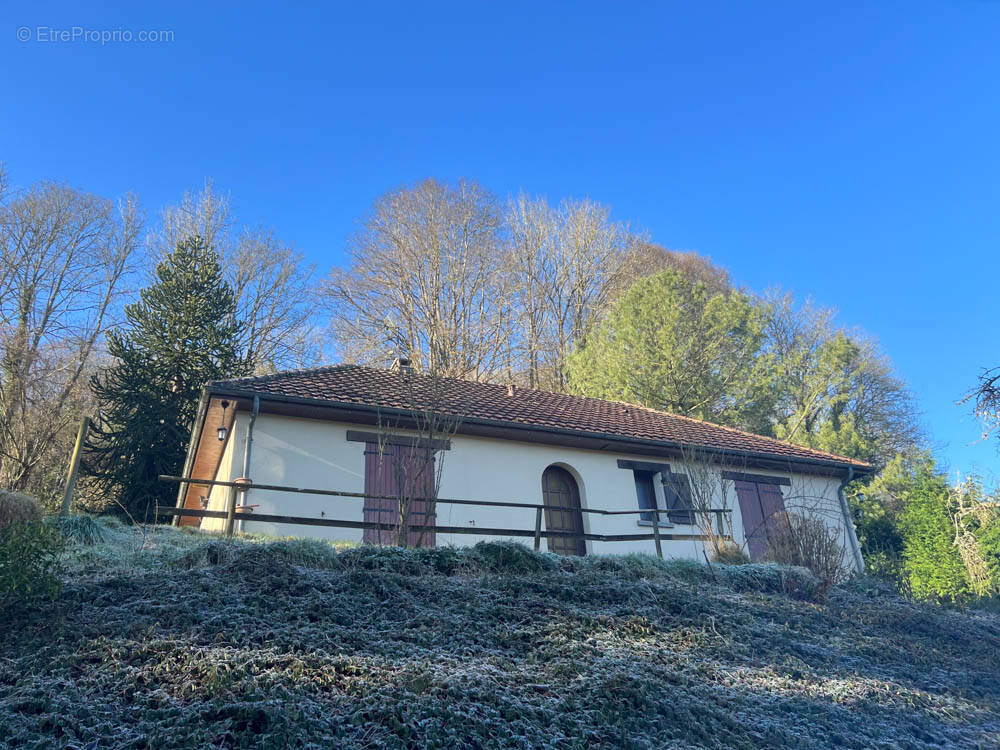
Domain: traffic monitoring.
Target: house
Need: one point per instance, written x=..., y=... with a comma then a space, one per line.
x=379, y=436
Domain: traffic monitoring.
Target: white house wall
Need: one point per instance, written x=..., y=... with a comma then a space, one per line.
x=317, y=454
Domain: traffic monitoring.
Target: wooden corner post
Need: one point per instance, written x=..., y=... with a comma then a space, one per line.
x=74, y=466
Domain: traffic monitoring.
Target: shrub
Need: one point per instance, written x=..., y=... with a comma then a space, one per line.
x=83, y=530
x=794, y=582
x=512, y=558
x=807, y=542
x=18, y=508
x=730, y=553
x=932, y=565
x=30, y=559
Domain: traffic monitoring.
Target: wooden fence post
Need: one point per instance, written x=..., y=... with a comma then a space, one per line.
x=538, y=529
x=74, y=466
x=231, y=511
x=656, y=533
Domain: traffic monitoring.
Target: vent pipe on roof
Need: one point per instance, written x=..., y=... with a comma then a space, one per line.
x=402, y=365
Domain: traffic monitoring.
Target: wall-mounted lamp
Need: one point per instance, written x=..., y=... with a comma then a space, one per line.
x=222, y=425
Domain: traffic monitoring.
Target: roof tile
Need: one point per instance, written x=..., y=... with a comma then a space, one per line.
x=352, y=384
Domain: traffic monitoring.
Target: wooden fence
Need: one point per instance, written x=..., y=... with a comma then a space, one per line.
x=232, y=514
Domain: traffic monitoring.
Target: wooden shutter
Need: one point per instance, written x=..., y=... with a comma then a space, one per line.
x=677, y=492
x=380, y=485
x=418, y=482
x=772, y=505
x=397, y=473
x=763, y=511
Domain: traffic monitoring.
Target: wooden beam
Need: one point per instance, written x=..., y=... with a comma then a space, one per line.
x=480, y=531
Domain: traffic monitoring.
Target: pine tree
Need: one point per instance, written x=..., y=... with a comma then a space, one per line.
x=180, y=334
x=931, y=562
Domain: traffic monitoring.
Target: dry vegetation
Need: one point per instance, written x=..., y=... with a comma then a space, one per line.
x=171, y=639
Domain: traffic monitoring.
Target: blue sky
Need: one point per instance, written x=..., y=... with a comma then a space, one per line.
x=847, y=151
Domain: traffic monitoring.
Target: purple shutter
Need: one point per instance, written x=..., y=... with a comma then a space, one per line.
x=381, y=488
x=753, y=518
x=397, y=472
x=418, y=477
x=763, y=511
x=772, y=505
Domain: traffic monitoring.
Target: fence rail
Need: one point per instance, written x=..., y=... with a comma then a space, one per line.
x=232, y=513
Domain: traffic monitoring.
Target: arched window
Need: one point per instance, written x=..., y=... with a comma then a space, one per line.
x=562, y=511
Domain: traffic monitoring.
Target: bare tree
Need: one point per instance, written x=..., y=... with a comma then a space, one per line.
x=708, y=494
x=276, y=300
x=647, y=258
x=532, y=228
x=985, y=398
x=426, y=281
x=837, y=389
x=566, y=265
x=275, y=290
x=586, y=268
x=66, y=258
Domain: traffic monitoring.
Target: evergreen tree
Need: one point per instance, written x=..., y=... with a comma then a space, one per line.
x=932, y=564
x=180, y=334
x=675, y=344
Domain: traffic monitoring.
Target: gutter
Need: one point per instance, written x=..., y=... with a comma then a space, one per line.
x=247, y=450
x=852, y=536
x=376, y=411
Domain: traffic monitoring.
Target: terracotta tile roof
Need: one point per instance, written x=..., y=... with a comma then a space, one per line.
x=386, y=389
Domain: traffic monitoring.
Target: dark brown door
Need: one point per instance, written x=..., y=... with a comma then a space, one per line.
x=562, y=511
x=763, y=512
x=399, y=475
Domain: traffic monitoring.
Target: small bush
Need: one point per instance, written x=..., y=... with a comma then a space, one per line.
x=512, y=558
x=214, y=552
x=83, y=530
x=18, y=508
x=30, y=559
x=794, y=582
x=313, y=553
x=730, y=553
x=807, y=542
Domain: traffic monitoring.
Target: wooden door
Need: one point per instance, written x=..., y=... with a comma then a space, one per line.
x=399, y=475
x=559, y=491
x=762, y=509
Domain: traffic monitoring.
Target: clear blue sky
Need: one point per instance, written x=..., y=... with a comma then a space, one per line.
x=849, y=152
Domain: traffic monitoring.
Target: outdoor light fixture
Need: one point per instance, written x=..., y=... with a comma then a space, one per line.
x=222, y=425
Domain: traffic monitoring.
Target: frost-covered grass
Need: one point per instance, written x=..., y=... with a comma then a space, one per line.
x=167, y=638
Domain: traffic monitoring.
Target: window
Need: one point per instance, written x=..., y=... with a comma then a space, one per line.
x=645, y=492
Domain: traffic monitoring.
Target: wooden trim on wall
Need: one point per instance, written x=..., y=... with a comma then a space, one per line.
x=412, y=441
x=643, y=466
x=739, y=476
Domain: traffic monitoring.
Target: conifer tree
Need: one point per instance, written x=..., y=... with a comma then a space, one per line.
x=180, y=334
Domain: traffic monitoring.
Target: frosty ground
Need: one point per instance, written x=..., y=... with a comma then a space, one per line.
x=162, y=638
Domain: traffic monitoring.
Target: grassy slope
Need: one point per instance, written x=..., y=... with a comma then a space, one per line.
x=188, y=643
